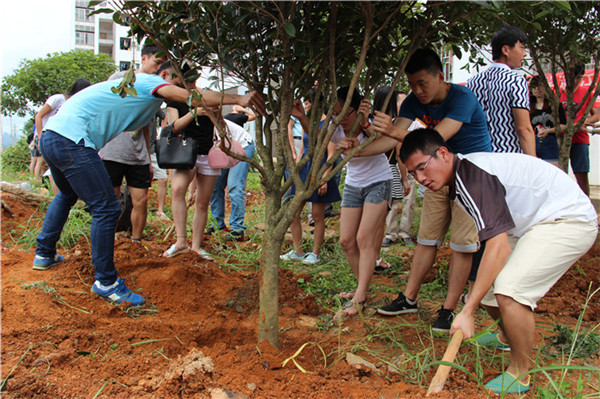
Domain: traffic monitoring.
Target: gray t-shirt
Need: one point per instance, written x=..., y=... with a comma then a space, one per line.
x=128, y=148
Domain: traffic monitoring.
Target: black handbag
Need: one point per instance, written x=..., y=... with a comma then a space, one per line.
x=175, y=152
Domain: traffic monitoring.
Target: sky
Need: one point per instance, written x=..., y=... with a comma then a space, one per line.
x=31, y=29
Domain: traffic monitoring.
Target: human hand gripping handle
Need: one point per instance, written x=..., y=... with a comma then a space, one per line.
x=465, y=323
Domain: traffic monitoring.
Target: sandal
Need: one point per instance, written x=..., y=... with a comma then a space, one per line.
x=204, y=255
x=381, y=265
x=174, y=251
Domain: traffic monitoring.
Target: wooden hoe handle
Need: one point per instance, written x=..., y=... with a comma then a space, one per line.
x=439, y=379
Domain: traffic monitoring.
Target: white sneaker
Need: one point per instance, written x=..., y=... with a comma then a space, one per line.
x=291, y=255
x=311, y=258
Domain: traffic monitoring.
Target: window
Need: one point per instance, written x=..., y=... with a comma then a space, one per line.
x=124, y=65
x=81, y=14
x=125, y=43
x=84, y=38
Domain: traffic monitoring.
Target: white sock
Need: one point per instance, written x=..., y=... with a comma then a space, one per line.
x=106, y=287
x=410, y=301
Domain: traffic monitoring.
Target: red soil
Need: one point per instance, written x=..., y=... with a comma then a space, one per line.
x=69, y=343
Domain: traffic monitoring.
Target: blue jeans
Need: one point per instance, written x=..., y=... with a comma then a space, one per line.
x=235, y=181
x=79, y=172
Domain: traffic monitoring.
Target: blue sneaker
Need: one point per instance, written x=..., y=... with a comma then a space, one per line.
x=291, y=255
x=311, y=258
x=508, y=383
x=118, y=293
x=41, y=263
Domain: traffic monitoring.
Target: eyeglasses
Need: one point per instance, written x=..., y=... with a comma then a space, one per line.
x=348, y=113
x=413, y=173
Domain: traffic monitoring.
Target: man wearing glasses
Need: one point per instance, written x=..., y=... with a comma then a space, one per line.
x=535, y=222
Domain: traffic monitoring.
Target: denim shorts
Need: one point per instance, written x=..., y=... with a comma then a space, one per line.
x=580, y=158
x=355, y=197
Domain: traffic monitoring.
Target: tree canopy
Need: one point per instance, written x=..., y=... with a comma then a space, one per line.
x=35, y=80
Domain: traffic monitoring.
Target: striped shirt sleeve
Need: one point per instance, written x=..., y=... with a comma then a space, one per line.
x=519, y=93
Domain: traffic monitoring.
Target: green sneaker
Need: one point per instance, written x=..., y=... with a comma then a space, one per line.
x=491, y=340
x=508, y=383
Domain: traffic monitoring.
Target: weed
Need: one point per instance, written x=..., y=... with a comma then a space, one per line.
x=53, y=293
x=584, y=343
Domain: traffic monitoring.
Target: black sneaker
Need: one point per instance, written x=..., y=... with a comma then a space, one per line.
x=444, y=321
x=398, y=306
x=236, y=235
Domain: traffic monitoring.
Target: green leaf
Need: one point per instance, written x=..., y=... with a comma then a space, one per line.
x=131, y=91
x=102, y=11
x=290, y=29
x=562, y=5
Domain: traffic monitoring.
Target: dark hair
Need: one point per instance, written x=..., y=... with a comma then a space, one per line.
x=150, y=49
x=507, y=35
x=424, y=59
x=164, y=66
x=342, y=93
x=79, y=85
x=379, y=98
x=535, y=82
x=169, y=65
x=425, y=140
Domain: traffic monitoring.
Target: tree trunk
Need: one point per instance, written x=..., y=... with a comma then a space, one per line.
x=268, y=321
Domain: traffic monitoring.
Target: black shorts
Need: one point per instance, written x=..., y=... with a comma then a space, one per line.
x=137, y=176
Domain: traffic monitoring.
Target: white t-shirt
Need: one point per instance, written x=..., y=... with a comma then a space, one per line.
x=54, y=102
x=238, y=133
x=534, y=192
x=364, y=171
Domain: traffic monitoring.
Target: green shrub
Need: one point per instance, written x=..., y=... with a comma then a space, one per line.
x=15, y=158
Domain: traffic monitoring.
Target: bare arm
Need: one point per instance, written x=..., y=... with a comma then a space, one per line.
x=594, y=117
x=213, y=98
x=497, y=250
x=524, y=130
x=449, y=127
x=45, y=110
x=384, y=125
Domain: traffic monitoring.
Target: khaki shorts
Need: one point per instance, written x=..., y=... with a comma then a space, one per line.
x=441, y=213
x=539, y=258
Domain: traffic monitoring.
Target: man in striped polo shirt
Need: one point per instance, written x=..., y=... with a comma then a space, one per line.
x=536, y=222
x=504, y=95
